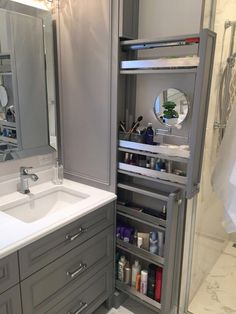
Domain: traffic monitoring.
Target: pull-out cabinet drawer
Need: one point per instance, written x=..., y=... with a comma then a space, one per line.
x=42, y=252
x=9, y=273
x=71, y=270
x=87, y=297
x=10, y=302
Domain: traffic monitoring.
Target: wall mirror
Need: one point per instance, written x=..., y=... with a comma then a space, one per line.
x=27, y=83
x=171, y=107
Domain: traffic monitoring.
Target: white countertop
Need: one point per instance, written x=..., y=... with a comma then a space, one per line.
x=15, y=234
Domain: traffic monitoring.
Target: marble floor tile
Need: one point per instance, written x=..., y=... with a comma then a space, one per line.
x=217, y=294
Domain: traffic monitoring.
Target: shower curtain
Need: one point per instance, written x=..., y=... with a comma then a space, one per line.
x=224, y=176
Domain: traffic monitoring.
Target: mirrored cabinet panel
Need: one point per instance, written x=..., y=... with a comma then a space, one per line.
x=27, y=86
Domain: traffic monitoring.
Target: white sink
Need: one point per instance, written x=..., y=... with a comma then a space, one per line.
x=41, y=205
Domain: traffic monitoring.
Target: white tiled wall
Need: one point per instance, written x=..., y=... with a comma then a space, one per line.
x=210, y=237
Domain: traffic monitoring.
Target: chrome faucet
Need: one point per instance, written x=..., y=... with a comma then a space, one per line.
x=25, y=174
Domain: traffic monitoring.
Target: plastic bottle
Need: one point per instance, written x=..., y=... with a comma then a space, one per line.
x=153, y=243
x=57, y=173
x=151, y=281
x=135, y=270
x=127, y=274
x=144, y=281
x=135, y=242
x=121, y=268
x=158, y=284
x=148, y=136
x=140, y=242
x=160, y=243
x=138, y=281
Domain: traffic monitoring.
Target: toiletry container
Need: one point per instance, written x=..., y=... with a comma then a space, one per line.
x=57, y=173
x=121, y=268
x=140, y=242
x=151, y=281
x=135, y=270
x=149, y=134
x=158, y=284
x=160, y=243
x=127, y=274
x=153, y=243
x=144, y=281
x=138, y=282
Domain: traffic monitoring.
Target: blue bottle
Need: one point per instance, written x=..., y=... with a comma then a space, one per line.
x=148, y=137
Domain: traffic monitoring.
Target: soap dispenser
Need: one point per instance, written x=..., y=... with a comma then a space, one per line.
x=57, y=173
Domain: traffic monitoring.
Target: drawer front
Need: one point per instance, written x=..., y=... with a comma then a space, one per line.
x=71, y=269
x=10, y=302
x=85, y=298
x=42, y=252
x=9, y=273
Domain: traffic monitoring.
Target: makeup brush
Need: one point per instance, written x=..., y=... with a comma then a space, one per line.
x=122, y=126
x=136, y=124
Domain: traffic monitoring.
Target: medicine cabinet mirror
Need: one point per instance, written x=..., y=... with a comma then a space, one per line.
x=27, y=84
x=171, y=107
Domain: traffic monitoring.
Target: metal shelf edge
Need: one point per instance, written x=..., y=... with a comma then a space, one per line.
x=138, y=296
x=155, y=259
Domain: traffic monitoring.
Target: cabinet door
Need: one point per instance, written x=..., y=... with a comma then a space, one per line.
x=9, y=274
x=129, y=14
x=10, y=302
x=86, y=75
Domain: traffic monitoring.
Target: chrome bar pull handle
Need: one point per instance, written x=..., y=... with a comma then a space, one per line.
x=76, y=235
x=75, y=273
x=82, y=306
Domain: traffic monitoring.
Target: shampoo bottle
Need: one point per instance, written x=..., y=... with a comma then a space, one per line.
x=144, y=281
x=127, y=274
x=121, y=268
x=135, y=270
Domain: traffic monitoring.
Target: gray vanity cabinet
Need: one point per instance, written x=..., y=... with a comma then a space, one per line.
x=73, y=269
x=9, y=273
x=88, y=297
x=40, y=253
x=68, y=271
x=10, y=302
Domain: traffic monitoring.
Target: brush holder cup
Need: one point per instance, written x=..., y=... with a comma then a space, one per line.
x=133, y=137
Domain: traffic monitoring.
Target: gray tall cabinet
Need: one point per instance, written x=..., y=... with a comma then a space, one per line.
x=98, y=68
x=88, y=39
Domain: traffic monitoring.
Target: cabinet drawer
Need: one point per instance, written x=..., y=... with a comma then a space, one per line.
x=71, y=269
x=86, y=298
x=9, y=273
x=10, y=302
x=40, y=253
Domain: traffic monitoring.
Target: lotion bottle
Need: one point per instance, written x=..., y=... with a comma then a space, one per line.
x=121, y=268
x=135, y=270
x=144, y=281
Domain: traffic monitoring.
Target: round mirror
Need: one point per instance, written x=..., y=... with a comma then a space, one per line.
x=171, y=107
